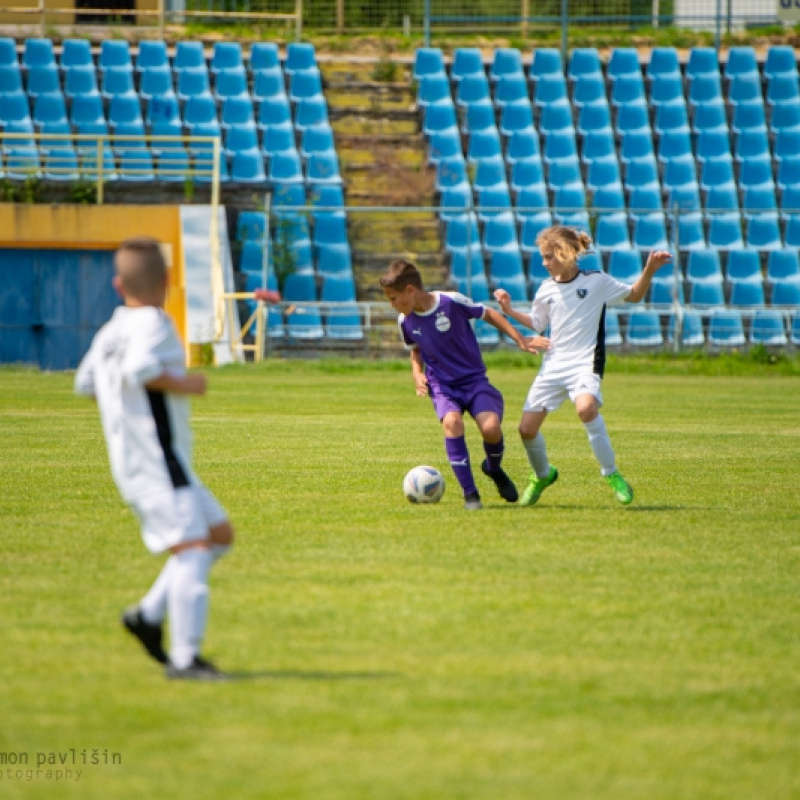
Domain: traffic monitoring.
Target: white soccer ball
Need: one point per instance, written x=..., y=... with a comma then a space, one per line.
x=424, y=485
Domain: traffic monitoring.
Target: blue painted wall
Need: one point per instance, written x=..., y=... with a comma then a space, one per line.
x=51, y=304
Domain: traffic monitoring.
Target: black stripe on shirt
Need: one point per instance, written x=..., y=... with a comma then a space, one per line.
x=158, y=406
x=599, y=364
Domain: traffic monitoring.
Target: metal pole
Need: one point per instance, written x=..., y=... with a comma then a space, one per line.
x=161, y=19
x=101, y=158
x=677, y=309
x=263, y=351
x=564, y=18
x=526, y=12
x=426, y=24
x=298, y=25
x=717, y=26
x=339, y=16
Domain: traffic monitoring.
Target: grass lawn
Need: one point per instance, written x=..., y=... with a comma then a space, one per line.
x=577, y=649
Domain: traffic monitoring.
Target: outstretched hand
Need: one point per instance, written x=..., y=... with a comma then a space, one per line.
x=657, y=259
x=535, y=344
x=503, y=299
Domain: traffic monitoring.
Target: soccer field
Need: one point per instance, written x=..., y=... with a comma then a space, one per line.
x=577, y=649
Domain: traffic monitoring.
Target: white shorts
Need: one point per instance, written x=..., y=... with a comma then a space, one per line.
x=174, y=516
x=548, y=392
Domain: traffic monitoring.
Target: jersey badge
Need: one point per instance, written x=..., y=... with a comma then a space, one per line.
x=442, y=322
x=582, y=293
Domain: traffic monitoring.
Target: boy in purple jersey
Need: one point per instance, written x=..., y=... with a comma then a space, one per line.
x=447, y=365
x=572, y=304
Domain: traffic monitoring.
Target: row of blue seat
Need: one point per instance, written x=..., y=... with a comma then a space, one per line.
x=623, y=62
x=116, y=54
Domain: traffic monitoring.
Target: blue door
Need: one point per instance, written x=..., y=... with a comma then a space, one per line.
x=51, y=304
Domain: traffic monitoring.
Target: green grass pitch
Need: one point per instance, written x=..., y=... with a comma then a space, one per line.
x=577, y=649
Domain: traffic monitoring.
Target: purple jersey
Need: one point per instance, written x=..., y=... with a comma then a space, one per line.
x=446, y=340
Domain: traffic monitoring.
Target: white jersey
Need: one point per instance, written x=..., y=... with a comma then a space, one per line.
x=147, y=432
x=575, y=313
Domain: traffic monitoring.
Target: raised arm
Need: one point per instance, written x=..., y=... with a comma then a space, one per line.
x=656, y=260
x=533, y=344
x=191, y=383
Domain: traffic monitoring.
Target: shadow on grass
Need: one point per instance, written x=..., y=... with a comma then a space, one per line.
x=311, y=675
x=576, y=507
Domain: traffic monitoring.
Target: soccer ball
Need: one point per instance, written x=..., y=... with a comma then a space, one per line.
x=424, y=485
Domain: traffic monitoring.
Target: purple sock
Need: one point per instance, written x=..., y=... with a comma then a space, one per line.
x=459, y=461
x=494, y=454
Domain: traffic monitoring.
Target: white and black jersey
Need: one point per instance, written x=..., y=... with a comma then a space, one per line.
x=574, y=311
x=147, y=432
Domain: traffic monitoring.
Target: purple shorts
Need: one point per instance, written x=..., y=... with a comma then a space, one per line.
x=475, y=398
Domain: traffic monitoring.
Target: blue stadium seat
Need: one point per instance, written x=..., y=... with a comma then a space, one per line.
x=794, y=331
x=786, y=293
x=702, y=61
x=780, y=60
x=44, y=81
x=427, y=61
x=546, y=61
x=323, y=168
x=300, y=56
x=306, y=85
x=193, y=82
x=489, y=174
x=237, y=112
x=451, y=174
x=275, y=113
x=532, y=226
x=173, y=165
x=791, y=235
x=309, y=112
x=594, y=119
x=231, y=84
x=278, y=140
x=11, y=81
x=290, y=198
x=726, y=329
x=705, y=90
x=506, y=267
x=115, y=54
x=666, y=292
x=743, y=266
x=305, y=321
x=641, y=173
x=783, y=265
x=679, y=173
x=783, y=89
x=494, y=200
x=625, y=265
x=650, y=232
x=251, y=227
x=556, y=120
x=768, y=328
x=466, y=61
x=76, y=53
x=613, y=335
x=644, y=329
x=569, y=206
x=602, y=173
x=598, y=147
x=611, y=233
x=511, y=89
x=532, y=202
x=285, y=167
x=564, y=172
x=49, y=109
x=38, y=53
x=341, y=321
x=117, y=83
x=189, y=55
x=645, y=202
x=506, y=61
x=756, y=175
x=628, y=91
x=462, y=233
x=609, y=198
x=432, y=90
x=763, y=232
x=589, y=90
x=516, y=117
x=745, y=89
x=125, y=110
x=240, y=140
x=623, y=63
x=152, y=54
x=454, y=202
x=584, y=61
x=318, y=139
x=268, y=85
x=741, y=61
x=500, y=233
x=559, y=147
x=80, y=81
x=485, y=145
x=703, y=266
x=156, y=82
x=86, y=109
x=663, y=63
x=636, y=147
x=713, y=145
x=61, y=164
x=710, y=118
x=725, y=231
x=479, y=117
x=472, y=90
x=752, y=146
x=591, y=261
x=440, y=119
x=706, y=295
x=667, y=90
x=523, y=146
x=787, y=144
x=8, y=52
x=200, y=111
x=785, y=116
x=673, y=146
x=248, y=167
x=467, y=264
x=749, y=117
x=718, y=175
x=226, y=57
x=691, y=329
x=551, y=90
x=136, y=165
x=634, y=119
x=335, y=260
x=747, y=295
x=265, y=57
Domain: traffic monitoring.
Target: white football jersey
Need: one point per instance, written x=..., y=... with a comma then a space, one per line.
x=575, y=314
x=147, y=432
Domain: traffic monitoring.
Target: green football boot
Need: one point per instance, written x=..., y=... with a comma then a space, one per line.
x=623, y=491
x=533, y=491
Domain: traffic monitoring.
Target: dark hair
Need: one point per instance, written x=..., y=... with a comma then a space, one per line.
x=400, y=274
x=146, y=270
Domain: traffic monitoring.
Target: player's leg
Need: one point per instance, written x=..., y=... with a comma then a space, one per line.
x=544, y=396
x=588, y=407
x=455, y=445
x=490, y=426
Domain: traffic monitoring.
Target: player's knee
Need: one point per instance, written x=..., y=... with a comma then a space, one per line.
x=588, y=413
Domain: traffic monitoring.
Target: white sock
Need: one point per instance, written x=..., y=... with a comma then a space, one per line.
x=601, y=445
x=154, y=604
x=537, y=455
x=188, y=604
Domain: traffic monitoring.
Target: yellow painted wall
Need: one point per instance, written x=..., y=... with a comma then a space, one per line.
x=26, y=18
x=81, y=227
